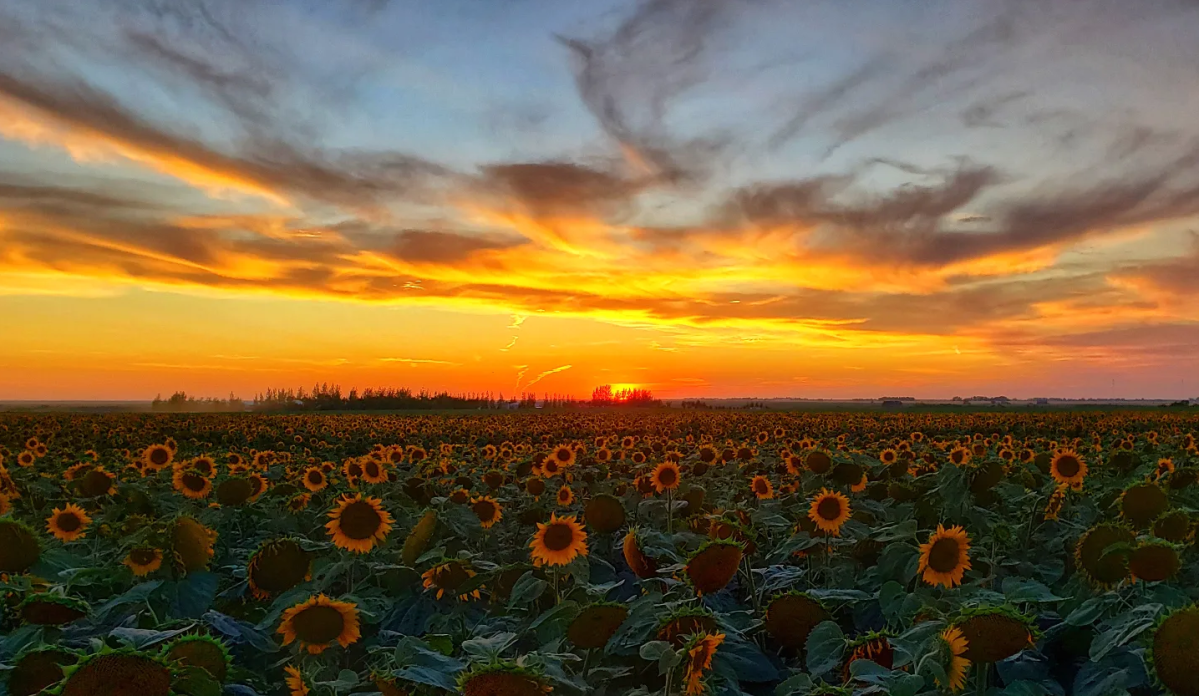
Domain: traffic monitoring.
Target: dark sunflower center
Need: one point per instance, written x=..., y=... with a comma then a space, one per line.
x=563, y=455
x=944, y=555
x=69, y=522
x=760, y=485
x=159, y=456
x=355, y=470
x=142, y=556
x=957, y=456
x=558, y=537
x=668, y=476
x=360, y=520
x=194, y=482
x=319, y=624
x=1068, y=467
x=372, y=470
x=450, y=576
x=829, y=509
x=315, y=477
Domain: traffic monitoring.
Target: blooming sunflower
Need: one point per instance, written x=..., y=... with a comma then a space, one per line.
x=318, y=622
x=700, y=651
x=192, y=484
x=447, y=577
x=762, y=488
x=945, y=558
x=951, y=647
x=558, y=541
x=157, y=457
x=565, y=496
x=143, y=560
x=357, y=524
x=665, y=477
x=294, y=680
x=68, y=523
x=829, y=510
x=315, y=479
x=1068, y=468
x=487, y=509
x=562, y=456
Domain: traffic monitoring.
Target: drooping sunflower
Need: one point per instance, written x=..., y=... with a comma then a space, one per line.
x=642, y=565
x=487, y=509
x=605, y=513
x=1174, y=525
x=945, y=558
x=762, y=488
x=951, y=648
x=68, y=523
x=117, y=673
x=685, y=622
x=357, y=524
x=418, y=539
x=19, y=547
x=712, y=566
x=208, y=653
x=1174, y=651
x=1154, y=561
x=294, y=681
x=143, y=560
x=38, y=668
x=595, y=625
x=502, y=679
x=994, y=634
x=192, y=484
x=277, y=566
x=1142, y=503
x=791, y=617
x=447, y=577
x=192, y=544
x=318, y=622
x=52, y=609
x=666, y=477
x=875, y=647
x=1102, y=554
x=1068, y=468
x=558, y=541
x=829, y=511
x=700, y=651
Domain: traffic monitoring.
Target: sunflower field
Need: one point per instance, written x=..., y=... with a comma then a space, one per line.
x=605, y=553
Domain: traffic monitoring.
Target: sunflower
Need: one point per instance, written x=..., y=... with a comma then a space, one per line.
x=418, y=539
x=315, y=479
x=712, y=567
x=558, y=541
x=791, y=617
x=642, y=565
x=26, y=459
x=1102, y=554
x=68, y=523
x=565, y=496
x=38, y=668
x=277, y=566
x=1174, y=651
x=205, y=652
x=502, y=679
x=665, y=477
x=994, y=634
x=951, y=646
x=373, y=472
x=1174, y=525
x=318, y=622
x=945, y=558
x=358, y=523
x=294, y=680
x=19, y=547
x=157, y=457
x=700, y=651
x=116, y=673
x=1154, y=561
x=447, y=577
x=192, y=544
x=595, y=625
x=51, y=610
x=191, y=484
x=604, y=513
x=1142, y=503
x=1068, y=468
x=561, y=456
x=487, y=509
x=875, y=647
x=5, y=506
x=143, y=560
x=685, y=622
x=761, y=487
x=959, y=456
x=829, y=510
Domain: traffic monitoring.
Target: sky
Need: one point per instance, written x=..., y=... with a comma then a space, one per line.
x=717, y=198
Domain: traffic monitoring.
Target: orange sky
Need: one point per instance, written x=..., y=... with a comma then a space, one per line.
x=989, y=233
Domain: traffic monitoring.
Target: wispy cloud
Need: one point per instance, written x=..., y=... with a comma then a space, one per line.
x=418, y=361
x=543, y=375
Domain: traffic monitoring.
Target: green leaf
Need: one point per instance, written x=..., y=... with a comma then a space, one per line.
x=527, y=590
x=1087, y=612
x=825, y=645
x=490, y=647
x=798, y=685
x=1023, y=590
x=195, y=681
x=1124, y=628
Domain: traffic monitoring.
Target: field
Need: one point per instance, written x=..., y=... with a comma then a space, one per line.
x=599, y=553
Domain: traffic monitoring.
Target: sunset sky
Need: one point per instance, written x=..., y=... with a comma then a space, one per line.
x=702, y=197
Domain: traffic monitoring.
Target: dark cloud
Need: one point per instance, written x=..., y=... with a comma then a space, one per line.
x=561, y=189
x=446, y=248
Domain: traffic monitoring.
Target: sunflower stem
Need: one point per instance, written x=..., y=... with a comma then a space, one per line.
x=669, y=511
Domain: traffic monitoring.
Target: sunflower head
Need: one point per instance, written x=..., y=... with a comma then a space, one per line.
x=605, y=513
x=945, y=558
x=124, y=671
x=712, y=566
x=52, y=610
x=700, y=650
x=666, y=477
x=1173, y=653
x=791, y=617
x=595, y=625
x=951, y=647
x=558, y=541
x=19, y=547
x=685, y=622
x=1154, y=561
x=277, y=566
x=875, y=647
x=447, y=577
x=1142, y=503
x=829, y=510
x=143, y=560
x=205, y=652
x=68, y=523
x=318, y=622
x=1102, y=554
x=358, y=523
x=762, y=488
x=502, y=679
x=38, y=668
x=192, y=544
x=994, y=634
x=642, y=565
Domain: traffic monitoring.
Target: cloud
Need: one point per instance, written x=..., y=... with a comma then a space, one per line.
x=418, y=361
x=543, y=375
